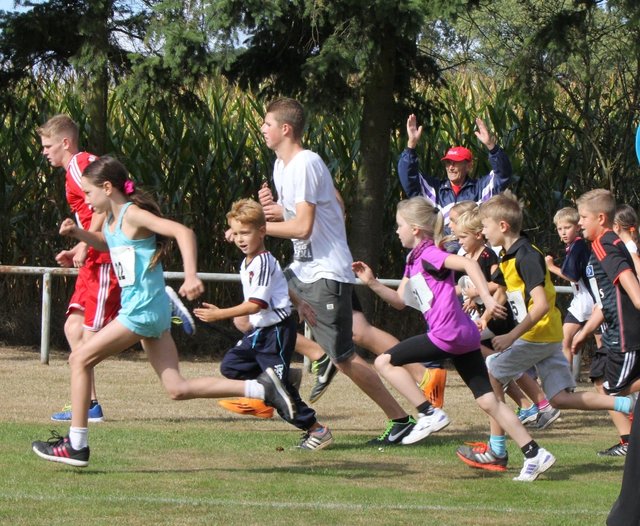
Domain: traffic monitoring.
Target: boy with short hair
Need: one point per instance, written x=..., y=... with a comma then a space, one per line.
x=271, y=342
x=321, y=271
x=573, y=270
x=536, y=340
x=96, y=298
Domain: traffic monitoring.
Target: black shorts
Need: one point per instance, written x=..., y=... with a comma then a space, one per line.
x=620, y=371
x=470, y=366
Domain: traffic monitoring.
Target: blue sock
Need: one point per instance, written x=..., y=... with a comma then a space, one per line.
x=498, y=444
x=622, y=404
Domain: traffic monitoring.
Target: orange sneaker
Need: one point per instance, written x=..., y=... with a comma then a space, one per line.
x=247, y=406
x=432, y=386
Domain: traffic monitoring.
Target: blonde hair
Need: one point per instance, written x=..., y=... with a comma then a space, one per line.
x=420, y=213
x=504, y=207
x=289, y=111
x=567, y=214
x=247, y=212
x=60, y=126
x=462, y=207
x=599, y=201
x=470, y=221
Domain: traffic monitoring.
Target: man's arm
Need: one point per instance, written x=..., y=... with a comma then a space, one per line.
x=298, y=227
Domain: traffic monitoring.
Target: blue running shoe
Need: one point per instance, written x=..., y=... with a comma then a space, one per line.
x=180, y=315
x=529, y=414
x=95, y=414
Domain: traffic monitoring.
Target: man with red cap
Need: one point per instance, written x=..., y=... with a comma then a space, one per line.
x=445, y=193
x=458, y=163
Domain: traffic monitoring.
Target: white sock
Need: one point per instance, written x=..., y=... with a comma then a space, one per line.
x=253, y=389
x=79, y=437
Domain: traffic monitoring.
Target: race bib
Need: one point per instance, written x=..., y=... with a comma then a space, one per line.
x=302, y=250
x=517, y=304
x=417, y=294
x=123, y=260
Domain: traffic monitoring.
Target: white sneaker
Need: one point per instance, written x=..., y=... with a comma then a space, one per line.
x=535, y=466
x=426, y=425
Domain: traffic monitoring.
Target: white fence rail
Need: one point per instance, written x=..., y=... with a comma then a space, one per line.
x=48, y=272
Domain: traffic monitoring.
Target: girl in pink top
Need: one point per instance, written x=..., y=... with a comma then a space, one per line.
x=428, y=285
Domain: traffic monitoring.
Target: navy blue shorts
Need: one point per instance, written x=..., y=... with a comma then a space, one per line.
x=266, y=347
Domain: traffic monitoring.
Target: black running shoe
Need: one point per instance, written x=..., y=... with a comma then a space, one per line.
x=58, y=449
x=323, y=372
x=619, y=450
x=394, y=433
x=276, y=395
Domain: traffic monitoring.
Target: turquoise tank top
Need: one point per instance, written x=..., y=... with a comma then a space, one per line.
x=145, y=307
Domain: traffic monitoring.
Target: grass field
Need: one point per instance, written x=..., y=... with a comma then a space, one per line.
x=183, y=463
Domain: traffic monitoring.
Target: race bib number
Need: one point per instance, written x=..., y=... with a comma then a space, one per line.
x=516, y=302
x=123, y=260
x=302, y=250
x=417, y=294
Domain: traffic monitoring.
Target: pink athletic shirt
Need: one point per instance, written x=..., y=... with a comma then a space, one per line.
x=448, y=326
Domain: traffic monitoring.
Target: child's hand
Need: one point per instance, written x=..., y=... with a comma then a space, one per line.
x=64, y=258
x=68, y=227
x=502, y=342
x=228, y=235
x=192, y=288
x=495, y=310
x=481, y=323
x=364, y=273
x=549, y=261
x=577, y=341
x=207, y=313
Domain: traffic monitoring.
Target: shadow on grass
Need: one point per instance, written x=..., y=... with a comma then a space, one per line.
x=323, y=467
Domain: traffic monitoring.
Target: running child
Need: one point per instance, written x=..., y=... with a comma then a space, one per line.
x=136, y=236
x=573, y=270
x=536, y=340
x=613, y=281
x=271, y=340
x=474, y=246
x=96, y=297
x=428, y=285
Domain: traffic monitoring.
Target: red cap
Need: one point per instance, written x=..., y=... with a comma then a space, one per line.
x=458, y=153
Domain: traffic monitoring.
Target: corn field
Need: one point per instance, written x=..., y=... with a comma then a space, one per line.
x=198, y=158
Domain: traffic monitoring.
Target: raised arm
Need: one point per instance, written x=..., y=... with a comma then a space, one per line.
x=389, y=295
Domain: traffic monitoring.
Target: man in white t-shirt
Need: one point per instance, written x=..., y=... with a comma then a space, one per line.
x=308, y=213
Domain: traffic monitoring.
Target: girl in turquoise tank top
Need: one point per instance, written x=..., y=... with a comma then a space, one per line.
x=135, y=234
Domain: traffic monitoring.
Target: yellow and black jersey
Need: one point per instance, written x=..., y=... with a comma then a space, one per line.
x=522, y=268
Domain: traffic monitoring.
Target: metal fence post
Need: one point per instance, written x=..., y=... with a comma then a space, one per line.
x=46, y=318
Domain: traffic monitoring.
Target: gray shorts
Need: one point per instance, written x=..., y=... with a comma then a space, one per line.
x=551, y=365
x=331, y=301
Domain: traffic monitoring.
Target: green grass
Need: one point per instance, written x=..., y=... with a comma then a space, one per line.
x=160, y=462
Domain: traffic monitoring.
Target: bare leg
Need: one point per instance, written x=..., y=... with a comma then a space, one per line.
x=363, y=375
x=111, y=340
x=163, y=356
x=309, y=348
x=76, y=335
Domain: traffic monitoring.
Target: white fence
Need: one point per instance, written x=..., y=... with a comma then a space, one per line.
x=48, y=272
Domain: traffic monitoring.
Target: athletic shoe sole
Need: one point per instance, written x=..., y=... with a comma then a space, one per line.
x=480, y=465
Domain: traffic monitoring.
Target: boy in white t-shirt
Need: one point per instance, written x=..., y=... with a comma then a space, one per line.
x=308, y=213
x=271, y=341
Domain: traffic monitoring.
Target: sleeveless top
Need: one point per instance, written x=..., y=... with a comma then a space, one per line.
x=145, y=307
